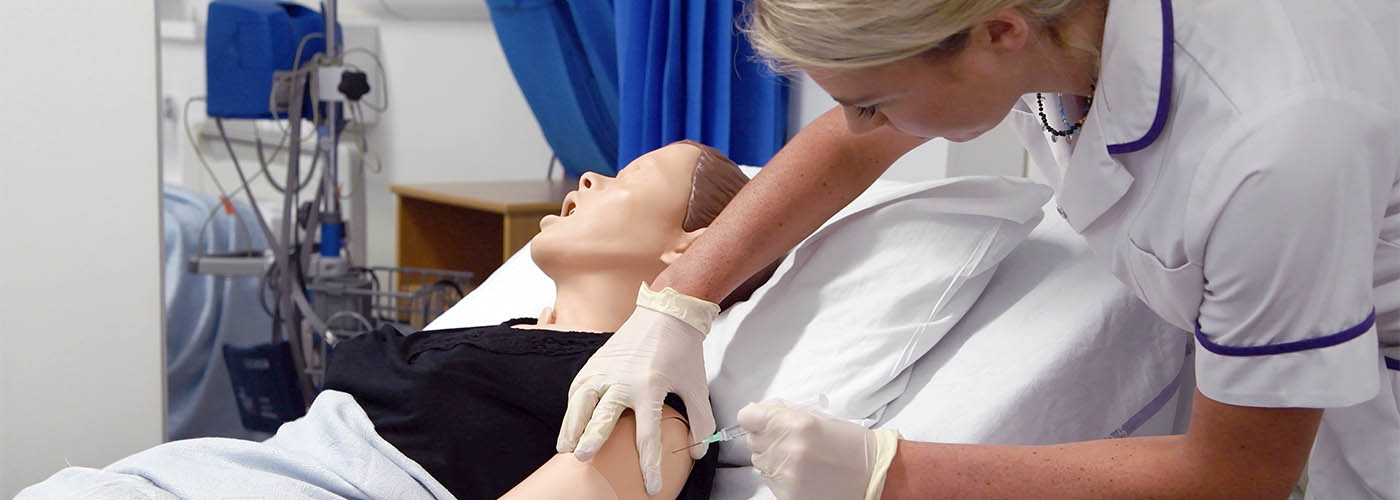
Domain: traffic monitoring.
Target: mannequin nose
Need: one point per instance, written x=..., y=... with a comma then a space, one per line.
x=590, y=180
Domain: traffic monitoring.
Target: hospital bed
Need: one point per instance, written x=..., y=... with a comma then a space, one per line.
x=1051, y=348
x=1017, y=337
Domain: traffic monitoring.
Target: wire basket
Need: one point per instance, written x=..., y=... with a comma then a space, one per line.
x=370, y=297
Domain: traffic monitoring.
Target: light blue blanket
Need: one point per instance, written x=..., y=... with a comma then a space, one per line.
x=333, y=452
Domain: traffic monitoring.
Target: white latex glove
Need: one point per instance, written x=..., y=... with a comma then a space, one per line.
x=808, y=455
x=655, y=352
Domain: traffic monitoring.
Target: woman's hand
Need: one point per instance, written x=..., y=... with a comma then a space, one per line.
x=808, y=455
x=656, y=351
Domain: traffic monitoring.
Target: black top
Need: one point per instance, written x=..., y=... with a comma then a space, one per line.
x=478, y=408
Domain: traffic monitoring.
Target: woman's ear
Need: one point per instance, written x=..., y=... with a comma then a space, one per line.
x=682, y=244
x=1005, y=29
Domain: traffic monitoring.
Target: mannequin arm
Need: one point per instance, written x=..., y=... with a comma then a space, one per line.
x=613, y=474
x=820, y=171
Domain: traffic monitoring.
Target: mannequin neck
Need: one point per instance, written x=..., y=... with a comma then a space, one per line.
x=594, y=302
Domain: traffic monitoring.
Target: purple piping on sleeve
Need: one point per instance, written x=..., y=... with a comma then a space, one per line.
x=1392, y=363
x=1164, y=92
x=1287, y=347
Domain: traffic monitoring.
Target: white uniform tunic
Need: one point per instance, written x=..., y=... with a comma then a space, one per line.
x=1240, y=171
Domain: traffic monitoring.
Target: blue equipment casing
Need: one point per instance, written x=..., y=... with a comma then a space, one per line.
x=247, y=41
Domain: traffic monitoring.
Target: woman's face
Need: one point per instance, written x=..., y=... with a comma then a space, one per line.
x=956, y=96
x=631, y=220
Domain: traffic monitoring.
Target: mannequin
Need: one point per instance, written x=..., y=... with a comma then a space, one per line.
x=464, y=403
x=478, y=409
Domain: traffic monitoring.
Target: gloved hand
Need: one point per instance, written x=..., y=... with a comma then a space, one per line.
x=655, y=352
x=807, y=455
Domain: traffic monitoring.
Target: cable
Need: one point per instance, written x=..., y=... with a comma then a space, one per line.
x=279, y=254
x=226, y=199
x=332, y=337
x=357, y=116
x=281, y=142
x=549, y=171
x=310, y=173
x=247, y=235
x=199, y=153
x=263, y=286
x=307, y=237
x=383, y=78
x=291, y=76
x=267, y=232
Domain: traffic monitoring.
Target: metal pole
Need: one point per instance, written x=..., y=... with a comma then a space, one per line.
x=289, y=285
x=332, y=206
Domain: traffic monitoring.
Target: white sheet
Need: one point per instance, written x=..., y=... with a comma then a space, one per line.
x=858, y=302
x=1055, y=350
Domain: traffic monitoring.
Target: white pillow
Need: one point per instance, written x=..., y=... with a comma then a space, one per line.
x=865, y=296
x=518, y=289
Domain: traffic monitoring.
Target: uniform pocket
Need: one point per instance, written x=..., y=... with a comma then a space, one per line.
x=1173, y=291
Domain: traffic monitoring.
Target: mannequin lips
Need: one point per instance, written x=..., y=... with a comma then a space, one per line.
x=566, y=209
x=547, y=221
x=570, y=204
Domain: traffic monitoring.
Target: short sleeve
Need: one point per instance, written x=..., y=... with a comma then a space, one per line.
x=1288, y=211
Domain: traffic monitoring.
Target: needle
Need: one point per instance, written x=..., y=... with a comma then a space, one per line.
x=734, y=431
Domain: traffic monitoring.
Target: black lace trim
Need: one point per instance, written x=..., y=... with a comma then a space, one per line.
x=504, y=339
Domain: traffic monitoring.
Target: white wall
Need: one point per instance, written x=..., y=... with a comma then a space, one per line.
x=81, y=377
x=456, y=114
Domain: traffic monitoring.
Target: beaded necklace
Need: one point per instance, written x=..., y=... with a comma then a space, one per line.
x=1040, y=103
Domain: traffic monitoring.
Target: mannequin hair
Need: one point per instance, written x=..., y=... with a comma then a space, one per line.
x=714, y=183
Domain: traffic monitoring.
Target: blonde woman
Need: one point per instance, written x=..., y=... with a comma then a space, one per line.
x=1235, y=163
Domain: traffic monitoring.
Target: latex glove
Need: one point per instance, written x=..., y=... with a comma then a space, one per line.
x=808, y=455
x=655, y=352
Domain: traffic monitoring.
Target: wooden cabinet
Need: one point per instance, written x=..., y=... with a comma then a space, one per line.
x=472, y=226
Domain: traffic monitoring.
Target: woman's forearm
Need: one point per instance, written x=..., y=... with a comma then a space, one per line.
x=1122, y=468
x=1229, y=452
x=821, y=170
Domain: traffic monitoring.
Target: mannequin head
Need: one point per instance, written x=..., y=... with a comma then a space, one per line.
x=629, y=228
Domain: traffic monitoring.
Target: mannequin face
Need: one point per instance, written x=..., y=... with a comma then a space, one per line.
x=631, y=223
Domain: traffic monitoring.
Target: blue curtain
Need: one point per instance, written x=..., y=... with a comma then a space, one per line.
x=686, y=73
x=563, y=57
x=610, y=81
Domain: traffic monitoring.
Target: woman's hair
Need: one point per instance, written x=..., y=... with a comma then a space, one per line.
x=715, y=182
x=854, y=34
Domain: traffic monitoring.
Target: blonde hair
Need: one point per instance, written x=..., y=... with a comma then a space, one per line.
x=853, y=34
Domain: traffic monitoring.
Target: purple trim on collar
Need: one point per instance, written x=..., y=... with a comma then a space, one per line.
x=1287, y=347
x=1164, y=92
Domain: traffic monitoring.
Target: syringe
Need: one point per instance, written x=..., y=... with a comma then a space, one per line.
x=734, y=431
